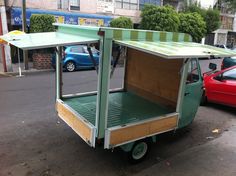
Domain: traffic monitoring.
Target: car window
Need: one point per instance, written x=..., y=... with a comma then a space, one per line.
x=230, y=75
x=94, y=51
x=76, y=49
x=193, y=72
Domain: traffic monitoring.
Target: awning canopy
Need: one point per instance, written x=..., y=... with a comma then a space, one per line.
x=46, y=40
x=177, y=50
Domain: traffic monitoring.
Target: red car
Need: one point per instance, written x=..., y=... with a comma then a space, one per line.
x=220, y=86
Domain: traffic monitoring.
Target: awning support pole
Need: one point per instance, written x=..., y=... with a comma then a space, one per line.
x=58, y=72
x=19, y=67
x=92, y=58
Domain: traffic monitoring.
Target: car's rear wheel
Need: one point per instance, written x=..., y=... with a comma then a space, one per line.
x=70, y=66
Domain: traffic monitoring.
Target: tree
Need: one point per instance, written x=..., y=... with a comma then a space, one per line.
x=193, y=24
x=158, y=18
x=212, y=20
x=122, y=22
x=232, y=3
x=210, y=16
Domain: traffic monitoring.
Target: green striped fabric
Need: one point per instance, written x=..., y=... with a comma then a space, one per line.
x=174, y=50
x=164, y=44
x=145, y=35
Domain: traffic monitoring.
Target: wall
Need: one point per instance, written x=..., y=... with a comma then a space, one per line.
x=40, y=4
x=133, y=14
x=88, y=6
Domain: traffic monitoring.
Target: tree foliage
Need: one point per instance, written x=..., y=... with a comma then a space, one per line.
x=158, y=18
x=122, y=22
x=210, y=16
x=42, y=23
x=193, y=24
x=232, y=3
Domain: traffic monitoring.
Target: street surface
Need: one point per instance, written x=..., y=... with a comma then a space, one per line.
x=35, y=142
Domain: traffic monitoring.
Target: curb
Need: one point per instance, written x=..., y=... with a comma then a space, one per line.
x=26, y=72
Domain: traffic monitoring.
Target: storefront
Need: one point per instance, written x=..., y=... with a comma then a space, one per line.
x=61, y=17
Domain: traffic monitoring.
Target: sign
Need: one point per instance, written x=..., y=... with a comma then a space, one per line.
x=90, y=22
x=62, y=17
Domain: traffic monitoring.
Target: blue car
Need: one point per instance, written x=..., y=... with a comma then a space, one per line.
x=77, y=57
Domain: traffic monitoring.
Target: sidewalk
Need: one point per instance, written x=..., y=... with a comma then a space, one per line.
x=215, y=158
x=15, y=68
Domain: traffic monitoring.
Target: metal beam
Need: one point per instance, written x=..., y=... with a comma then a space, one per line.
x=103, y=86
x=58, y=73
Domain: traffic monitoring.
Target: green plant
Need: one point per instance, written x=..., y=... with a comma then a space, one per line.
x=159, y=18
x=210, y=16
x=122, y=22
x=42, y=23
x=193, y=24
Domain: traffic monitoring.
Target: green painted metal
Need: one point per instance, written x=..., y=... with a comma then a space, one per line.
x=124, y=108
x=58, y=73
x=192, y=94
x=66, y=35
x=103, y=85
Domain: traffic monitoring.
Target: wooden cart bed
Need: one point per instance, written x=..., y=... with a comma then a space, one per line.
x=124, y=108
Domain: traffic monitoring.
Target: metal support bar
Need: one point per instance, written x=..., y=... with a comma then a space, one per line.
x=58, y=72
x=116, y=61
x=92, y=58
x=103, y=86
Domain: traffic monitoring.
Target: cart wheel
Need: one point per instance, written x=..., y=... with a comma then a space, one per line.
x=70, y=66
x=139, y=151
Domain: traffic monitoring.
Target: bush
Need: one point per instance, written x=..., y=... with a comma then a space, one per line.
x=159, y=18
x=42, y=23
x=122, y=22
x=193, y=24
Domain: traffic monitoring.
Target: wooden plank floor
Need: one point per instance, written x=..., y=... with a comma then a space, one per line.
x=124, y=107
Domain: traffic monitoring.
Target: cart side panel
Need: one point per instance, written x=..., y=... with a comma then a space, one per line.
x=80, y=126
x=121, y=135
x=152, y=77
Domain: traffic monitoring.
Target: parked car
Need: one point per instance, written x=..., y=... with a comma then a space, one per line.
x=221, y=46
x=220, y=86
x=77, y=57
x=228, y=62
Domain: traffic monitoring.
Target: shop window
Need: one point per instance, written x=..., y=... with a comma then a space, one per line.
x=127, y=4
x=74, y=4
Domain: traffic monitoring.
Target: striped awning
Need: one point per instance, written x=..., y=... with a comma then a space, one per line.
x=177, y=50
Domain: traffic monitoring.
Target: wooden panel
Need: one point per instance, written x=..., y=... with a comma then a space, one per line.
x=152, y=77
x=134, y=132
x=78, y=125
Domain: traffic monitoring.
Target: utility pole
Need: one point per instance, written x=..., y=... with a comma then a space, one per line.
x=24, y=29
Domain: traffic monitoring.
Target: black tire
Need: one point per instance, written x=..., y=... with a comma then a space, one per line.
x=203, y=99
x=139, y=151
x=70, y=66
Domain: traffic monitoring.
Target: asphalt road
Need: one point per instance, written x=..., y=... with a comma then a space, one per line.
x=35, y=142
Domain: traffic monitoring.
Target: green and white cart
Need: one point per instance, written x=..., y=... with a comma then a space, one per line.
x=161, y=90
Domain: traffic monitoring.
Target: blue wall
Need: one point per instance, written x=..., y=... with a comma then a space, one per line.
x=69, y=18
